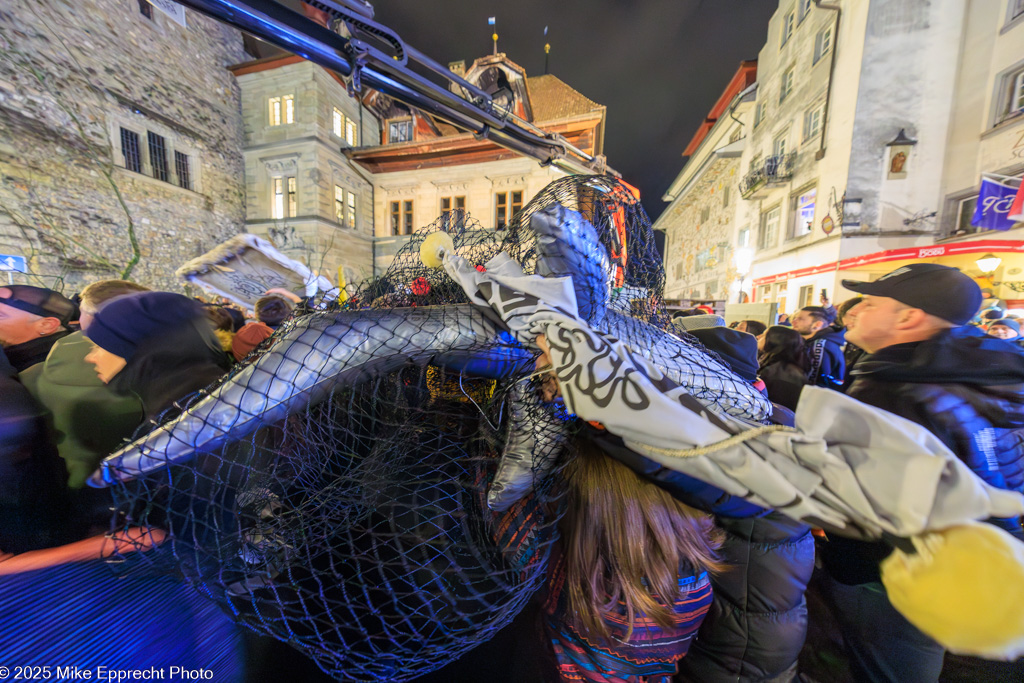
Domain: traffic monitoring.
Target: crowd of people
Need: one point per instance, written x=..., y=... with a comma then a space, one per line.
x=657, y=575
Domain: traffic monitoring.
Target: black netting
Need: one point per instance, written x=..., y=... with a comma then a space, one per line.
x=378, y=485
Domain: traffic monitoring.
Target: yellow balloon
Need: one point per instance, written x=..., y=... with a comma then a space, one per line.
x=964, y=587
x=434, y=247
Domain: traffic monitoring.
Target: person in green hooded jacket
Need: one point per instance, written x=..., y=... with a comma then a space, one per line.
x=89, y=420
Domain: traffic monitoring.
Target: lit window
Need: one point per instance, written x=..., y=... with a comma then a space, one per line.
x=339, y=122
x=181, y=167
x=804, y=213
x=407, y=216
x=339, y=204
x=289, y=108
x=787, y=85
x=158, y=155
x=351, y=210
x=292, y=198
x=275, y=111
x=787, y=28
x=278, y=207
x=822, y=43
x=400, y=131
x=401, y=217
x=506, y=205
x=130, y=150
x=351, y=133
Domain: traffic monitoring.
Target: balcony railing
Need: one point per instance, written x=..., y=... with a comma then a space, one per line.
x=774, y=169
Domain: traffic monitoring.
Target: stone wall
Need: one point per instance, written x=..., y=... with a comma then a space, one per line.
x=72, y=74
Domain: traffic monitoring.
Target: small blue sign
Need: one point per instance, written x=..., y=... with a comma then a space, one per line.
x=14, y=264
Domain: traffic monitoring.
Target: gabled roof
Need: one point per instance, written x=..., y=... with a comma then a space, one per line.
x=551, y=99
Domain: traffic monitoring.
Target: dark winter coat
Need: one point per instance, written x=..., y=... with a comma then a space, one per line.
x=966, y=388
x=828, y=366
x=784, y=382
x=34, y=506
x=89, y=419
x=183, y=358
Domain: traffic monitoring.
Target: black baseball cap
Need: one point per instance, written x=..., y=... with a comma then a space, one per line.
x=937, y=290
x=40, y=301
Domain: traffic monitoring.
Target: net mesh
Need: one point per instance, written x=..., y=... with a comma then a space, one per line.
x=333, y=490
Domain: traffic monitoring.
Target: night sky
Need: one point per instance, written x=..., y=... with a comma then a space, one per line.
x=658, y=65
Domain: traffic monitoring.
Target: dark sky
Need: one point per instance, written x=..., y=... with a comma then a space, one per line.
x=658, y=65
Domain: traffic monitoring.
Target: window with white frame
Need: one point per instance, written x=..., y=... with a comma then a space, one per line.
x=964, y=213
x=787, y=85
x=743, y=238
x=400, y=131
x=506, y=204
x=803, y=213
x=338, y=123
x=779, y=145
x=351, y=133
x=806, y=295
x=1016, y=9
x=787, y=28
x=803, y=9
x=768, y=235
x=822, y=44
x=759, y=113
x=281, y=110
x=1012, y=95
x=812, y=122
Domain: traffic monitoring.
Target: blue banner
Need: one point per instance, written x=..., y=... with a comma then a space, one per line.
x=992, y=211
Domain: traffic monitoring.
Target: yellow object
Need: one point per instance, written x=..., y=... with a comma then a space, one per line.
x=964, y=587
x=434, y=247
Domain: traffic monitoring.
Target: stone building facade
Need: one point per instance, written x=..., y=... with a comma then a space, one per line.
x=301, y=191
x=700, y=222
x=115, y=119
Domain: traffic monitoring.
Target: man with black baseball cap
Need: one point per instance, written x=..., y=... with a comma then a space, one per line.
x=965, y=387
x=32, y=319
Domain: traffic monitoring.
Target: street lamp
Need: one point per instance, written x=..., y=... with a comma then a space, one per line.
x=743, y=259
x=988, y=263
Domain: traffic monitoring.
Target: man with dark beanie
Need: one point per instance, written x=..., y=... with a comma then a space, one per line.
x=32, y=319
x=157, y=345
x=924, y=364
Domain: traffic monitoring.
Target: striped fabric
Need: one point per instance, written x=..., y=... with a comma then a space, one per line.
x=652, y=653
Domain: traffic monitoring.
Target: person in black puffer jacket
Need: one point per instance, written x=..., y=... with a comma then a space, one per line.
x=758, y=618
x=923, y=364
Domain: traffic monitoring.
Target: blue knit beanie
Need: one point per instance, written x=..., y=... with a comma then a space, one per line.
x=125, y=322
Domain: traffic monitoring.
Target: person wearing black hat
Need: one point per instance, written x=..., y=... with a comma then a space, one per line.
x=32, y=319
x=156, y=345
x=965, y=387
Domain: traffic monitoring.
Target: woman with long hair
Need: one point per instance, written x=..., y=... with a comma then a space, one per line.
x=629, y=585
x=783, y=364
